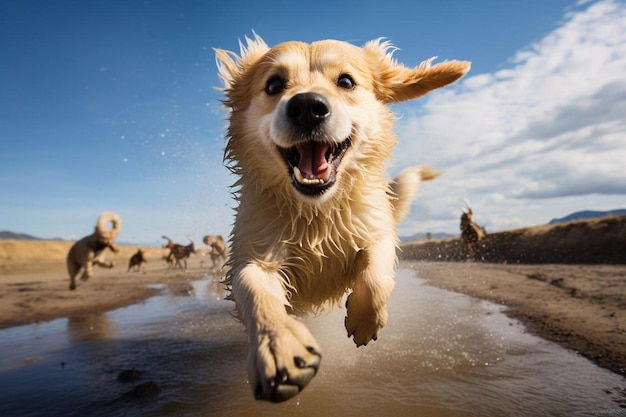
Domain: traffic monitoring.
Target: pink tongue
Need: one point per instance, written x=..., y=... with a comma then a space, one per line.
x=313, y=162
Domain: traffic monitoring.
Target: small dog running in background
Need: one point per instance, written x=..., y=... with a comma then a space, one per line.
x=90, y=250
x=138, y=261
x=309, y=137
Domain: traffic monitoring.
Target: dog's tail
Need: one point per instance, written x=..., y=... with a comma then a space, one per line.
x=104, y=220
x=404, y=187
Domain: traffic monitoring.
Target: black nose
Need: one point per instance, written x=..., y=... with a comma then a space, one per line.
x=307, y=110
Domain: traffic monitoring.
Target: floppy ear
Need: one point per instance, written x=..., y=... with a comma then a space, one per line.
x=231, y=67
x=397, y=83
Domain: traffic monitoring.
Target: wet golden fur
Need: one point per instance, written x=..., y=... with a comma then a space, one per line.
x=293, y=253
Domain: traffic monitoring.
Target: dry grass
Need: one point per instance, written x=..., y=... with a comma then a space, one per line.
x=38, y=255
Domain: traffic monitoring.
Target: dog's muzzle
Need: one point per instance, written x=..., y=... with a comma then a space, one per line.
x=312, y=161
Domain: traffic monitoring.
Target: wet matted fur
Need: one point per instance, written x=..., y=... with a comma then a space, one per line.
x=309, y=137
x=90, y=250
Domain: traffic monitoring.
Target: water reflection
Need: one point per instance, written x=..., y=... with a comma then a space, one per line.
x=90, y=327
x=442, y=354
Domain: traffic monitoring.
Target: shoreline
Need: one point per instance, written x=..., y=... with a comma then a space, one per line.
x=580, y=307
x=38, y=295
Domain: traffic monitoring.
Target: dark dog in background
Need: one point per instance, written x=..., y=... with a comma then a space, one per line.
x=471, y=232
x=137, y=261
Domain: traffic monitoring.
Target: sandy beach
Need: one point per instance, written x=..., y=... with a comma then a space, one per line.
x=582, y=307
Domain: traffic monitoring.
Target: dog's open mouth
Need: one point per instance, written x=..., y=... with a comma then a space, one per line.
x=313, y=165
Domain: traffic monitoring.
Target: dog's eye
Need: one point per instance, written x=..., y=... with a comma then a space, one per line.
x=275, y=85
x=345, y=81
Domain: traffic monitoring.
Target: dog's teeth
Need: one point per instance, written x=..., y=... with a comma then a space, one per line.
x=307, y=181
x=298, y=175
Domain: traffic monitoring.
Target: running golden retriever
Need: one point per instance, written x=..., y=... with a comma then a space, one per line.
x=309, y=137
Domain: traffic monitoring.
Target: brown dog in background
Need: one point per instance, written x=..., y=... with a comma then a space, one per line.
x=178, y=253
x=471, y=232
x=219, y=250
x=90, y=250
x=309, y=138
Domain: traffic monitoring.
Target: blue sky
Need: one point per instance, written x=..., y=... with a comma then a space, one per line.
x=110, y=105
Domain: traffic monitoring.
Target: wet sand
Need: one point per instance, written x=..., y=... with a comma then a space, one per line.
x=30, y=297
x=582, y=307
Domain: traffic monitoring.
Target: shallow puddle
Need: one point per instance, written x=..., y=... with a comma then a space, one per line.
x=441, y=354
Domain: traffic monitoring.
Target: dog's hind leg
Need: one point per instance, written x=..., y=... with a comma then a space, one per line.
x=88, y=272
x=283, y=356
x=73, y=269
x=103, y=264
x=100, y=261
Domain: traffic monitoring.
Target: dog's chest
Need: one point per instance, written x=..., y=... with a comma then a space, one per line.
x=327, y=269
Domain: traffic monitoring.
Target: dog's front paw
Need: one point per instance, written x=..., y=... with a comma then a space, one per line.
x=363, y=321
x=284, y=360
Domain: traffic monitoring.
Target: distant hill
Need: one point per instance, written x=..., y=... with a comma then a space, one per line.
x=588, y=214
x=422, y=236
x=6, y=234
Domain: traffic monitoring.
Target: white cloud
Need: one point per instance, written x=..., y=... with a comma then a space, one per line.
x=539, y=139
